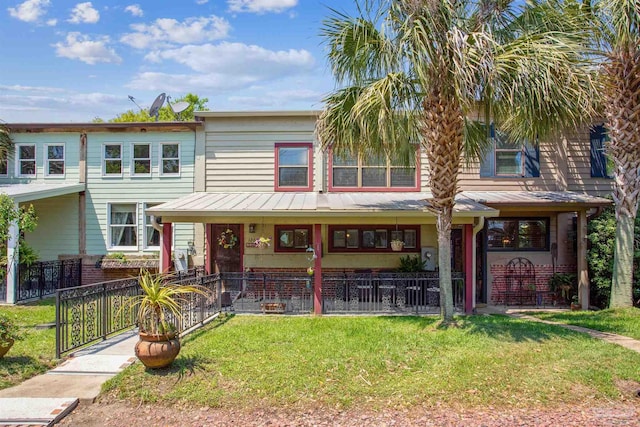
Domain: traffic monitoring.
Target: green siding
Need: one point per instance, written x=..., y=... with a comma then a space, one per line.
x=57, y=229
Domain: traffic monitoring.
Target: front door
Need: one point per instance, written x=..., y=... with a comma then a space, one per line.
x=226, y=248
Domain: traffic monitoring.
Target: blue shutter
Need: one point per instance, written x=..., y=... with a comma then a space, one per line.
x=531, y=160
x=598, y=159
x=487, y=162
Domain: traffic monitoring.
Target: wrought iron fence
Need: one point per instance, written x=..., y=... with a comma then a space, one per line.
x=42, y=279
x=417, y=293
x=90, y=313
x=253, y=292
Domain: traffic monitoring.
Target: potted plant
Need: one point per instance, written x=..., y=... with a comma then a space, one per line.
x=159, y=309
x=575, y=303
x=8, y=333
x=397, y=245
x=562, y=285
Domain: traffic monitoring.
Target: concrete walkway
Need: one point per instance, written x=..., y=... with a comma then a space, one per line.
x=47, y=398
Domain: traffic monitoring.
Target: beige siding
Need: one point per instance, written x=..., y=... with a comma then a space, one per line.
x=57, y=229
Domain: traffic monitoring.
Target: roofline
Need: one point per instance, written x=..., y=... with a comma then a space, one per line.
x=103, y=127
x=257, y=113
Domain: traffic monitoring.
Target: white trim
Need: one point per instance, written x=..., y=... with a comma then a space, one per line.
x=161, y=165
x=110, y=246
x=103, y=163
x=132, y=171
x=18, y=160
x=47, y=160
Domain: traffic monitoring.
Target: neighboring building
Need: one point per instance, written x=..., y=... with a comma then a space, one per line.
x=90, y=184
x=263, y=174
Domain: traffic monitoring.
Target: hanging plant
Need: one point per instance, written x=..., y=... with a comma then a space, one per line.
x=262, y=242
x=227, y=239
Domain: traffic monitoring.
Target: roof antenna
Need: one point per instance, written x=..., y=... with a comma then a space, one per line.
x=132, y=99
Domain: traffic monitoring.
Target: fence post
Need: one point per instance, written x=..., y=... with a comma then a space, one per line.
x=58, y=326
x=40, y=280
x=219, y=293
x=203, y=301
x=104, y=311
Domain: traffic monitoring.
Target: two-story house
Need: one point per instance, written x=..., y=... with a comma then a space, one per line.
x=264, y=175
x=90, y=184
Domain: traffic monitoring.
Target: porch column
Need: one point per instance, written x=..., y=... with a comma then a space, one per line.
x=12, y=262
x=166, y=247
x=208, y=248
x=317, y=267
x=468, y=268
x=583, y=272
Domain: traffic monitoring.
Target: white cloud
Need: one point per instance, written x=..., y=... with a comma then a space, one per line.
x=52, y=22
x=261, y=6
x=170, y=31
x=202, y=1
x=84, y=13
x=134, y=9
x=30, y=10
x=81, y=47
x=38, y=89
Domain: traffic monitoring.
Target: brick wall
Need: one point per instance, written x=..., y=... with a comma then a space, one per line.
x=542, y=272
x=92, y=271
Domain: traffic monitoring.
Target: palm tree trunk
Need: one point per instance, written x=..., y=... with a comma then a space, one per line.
x=622, y=109
x=442, y=131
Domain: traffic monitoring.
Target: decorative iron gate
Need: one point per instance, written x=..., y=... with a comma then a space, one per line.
x=42, y=279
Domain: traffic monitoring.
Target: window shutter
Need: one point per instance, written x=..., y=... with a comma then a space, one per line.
x=598, y=159
x=531, y=160
x=487, y=162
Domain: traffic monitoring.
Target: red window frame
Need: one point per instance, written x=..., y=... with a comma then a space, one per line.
x=309, y=147
x=335, y=189
x=389, y=228
x=277, y=247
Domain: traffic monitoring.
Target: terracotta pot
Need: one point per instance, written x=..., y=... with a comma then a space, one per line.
x=157, y=351
x=5, y=348
x=575, y=306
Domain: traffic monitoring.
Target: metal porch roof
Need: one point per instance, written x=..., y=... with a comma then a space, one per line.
x=536, y=199
x=34, y=191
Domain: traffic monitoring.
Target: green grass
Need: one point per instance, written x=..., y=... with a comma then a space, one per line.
x=348, y=362
x=618, y=321
x=35, y=353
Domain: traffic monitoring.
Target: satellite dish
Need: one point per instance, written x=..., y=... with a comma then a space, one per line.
x=179, y=107
x=154, y=111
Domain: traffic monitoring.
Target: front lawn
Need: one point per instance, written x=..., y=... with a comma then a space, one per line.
x=347, y=362
x=618, y=321
x=35, y=353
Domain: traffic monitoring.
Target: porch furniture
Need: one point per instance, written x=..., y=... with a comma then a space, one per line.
x=520, y=283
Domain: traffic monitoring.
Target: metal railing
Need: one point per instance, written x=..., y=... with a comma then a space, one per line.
x=91, y=313
x=410, y=293
x=44, y=278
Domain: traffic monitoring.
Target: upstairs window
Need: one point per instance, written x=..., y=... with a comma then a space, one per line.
x=54, y=162
x=112, y=160
x=518, y=234
x=350, y=173
x=601, y=164
x=169, y=159
x=123, y=226
x=26, y=160
x=141, y=160
x=293, y=167
x=507, y=158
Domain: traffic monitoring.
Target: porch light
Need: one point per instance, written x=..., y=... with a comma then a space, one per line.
x=252, y=228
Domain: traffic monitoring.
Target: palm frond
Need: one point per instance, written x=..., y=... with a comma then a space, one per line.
x=6, y=143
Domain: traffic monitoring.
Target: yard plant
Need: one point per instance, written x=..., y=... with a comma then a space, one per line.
x=356, y=362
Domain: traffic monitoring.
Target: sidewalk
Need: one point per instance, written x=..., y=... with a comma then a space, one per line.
x=45, y=399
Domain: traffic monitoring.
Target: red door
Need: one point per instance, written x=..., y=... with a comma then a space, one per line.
x=226, y=248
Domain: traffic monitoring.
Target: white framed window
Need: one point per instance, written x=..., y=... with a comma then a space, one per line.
x=54, y=157
x=122, y=226
x=151, y=235
x=169, y=158
x=141, y=159
x=26, y=160
x=112, y=159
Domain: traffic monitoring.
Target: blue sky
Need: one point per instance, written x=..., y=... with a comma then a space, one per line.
x=71, y=61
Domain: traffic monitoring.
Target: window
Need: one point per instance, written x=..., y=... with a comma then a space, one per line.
x=601, y=164
x=169, y=159
x=54, y=158
x=112, y=159
x=509, y=158
x=123, y=227
x=151, y=235
x=4, y=167
x=293, y=167
x=350, y=173
x=518, y=234
x=26, y=160
x=141, y=160
x=372, y=238
x=292, y=238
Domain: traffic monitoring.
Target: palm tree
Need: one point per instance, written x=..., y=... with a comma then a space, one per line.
x=437, y=72
x=619, y=47
x=6, y=143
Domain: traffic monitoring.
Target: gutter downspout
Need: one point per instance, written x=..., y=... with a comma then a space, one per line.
x=476, y=229
x=157, y=226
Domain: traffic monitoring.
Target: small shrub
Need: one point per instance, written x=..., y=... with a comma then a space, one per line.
x=8, y=330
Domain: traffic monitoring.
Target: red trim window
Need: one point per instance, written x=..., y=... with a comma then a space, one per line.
x=372, y=238
x=350, y=173
x=293, y=238
x=294, y=166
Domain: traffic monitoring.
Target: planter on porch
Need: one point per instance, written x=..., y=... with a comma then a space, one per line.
x=273, y=307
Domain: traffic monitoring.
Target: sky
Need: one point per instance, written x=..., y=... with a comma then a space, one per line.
x=73, y=61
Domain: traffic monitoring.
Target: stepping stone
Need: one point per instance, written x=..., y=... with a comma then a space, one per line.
x=35, y=411
x=93, y=364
